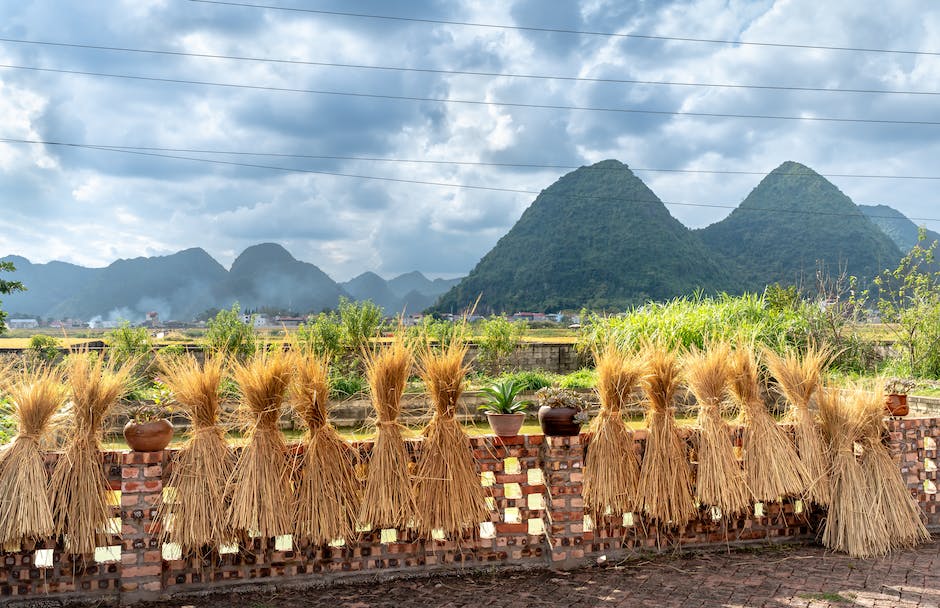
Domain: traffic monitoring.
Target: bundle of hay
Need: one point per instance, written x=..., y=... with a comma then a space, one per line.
x=665, y=487
x=448, y=494
x=612, y=468
x=798, y=378
x=204, y=463
x=387, y=500
x=259, y=490
x=854, y=524
x=25, y=510
x=79, y=484
x=721, y=482
x=904, y=521
x=327, y=491
x=772, y=465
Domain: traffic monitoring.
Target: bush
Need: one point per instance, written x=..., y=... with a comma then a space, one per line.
x=529, y=380
x=360, y=322
x=344, y=386
x=583, y=378
x=497, y=339
x=44, y=348
x=228, y=334
x=126, y=343
x=322, y=335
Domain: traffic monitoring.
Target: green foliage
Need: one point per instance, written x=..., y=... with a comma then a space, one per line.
x=127, y=343
x=439, y=332
x=344, y=386
x=229, y=335
x=692, y=321
x=7, y=421
x=8, y=287
x=583, y=378
x=909, y=299
x=322, y=335
x=503, y=398
x=360, y=322
x=497, y=338
x=44, y=348
x=529, y=380
x=171, y=351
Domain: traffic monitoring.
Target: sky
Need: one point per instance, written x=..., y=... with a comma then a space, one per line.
x=431, y=84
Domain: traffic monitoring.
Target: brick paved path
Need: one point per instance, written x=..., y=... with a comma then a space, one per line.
x=771, y=577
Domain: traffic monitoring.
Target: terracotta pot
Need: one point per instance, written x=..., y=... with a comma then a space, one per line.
x=559, y=421
x=896, y=404
x=506, y=425
x=148, y=436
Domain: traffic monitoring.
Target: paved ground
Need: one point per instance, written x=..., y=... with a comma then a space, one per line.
x=771, y=577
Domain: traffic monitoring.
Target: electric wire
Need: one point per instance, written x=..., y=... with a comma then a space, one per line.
x=620, y=110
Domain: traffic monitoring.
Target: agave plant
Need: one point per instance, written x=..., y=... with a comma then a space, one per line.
x=503, y=398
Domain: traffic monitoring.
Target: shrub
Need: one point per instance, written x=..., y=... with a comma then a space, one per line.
x=497, y=339
x=583, y=378
x=531, y=380
x=44, y=348
x=343, y=386
x=126, y=342
x=360, y=322
x=228, y=334
x=322, y=335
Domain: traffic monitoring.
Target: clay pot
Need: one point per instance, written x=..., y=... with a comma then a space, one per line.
x=559, y=421
x=505, y=425
x=148, y=436
x=896, y=404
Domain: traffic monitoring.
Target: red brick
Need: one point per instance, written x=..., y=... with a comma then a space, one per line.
x=142, y=571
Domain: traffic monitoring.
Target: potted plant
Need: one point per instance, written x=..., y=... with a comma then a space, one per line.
x=561, y=411
x=504, y=410
x=149, y=429
x=896, y=390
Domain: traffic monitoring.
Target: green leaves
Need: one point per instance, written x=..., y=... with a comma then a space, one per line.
x=503, y=398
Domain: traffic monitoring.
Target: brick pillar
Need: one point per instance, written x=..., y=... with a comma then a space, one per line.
x=562, y=465
x=141, y=559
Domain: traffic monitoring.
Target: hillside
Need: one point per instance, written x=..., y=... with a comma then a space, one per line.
x=791, y=220
x=897, y=226
x=598, y=237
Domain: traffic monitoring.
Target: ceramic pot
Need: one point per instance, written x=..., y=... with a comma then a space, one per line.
x=896, y=404
x=506, y=425
x=148, y=436
x=559, y=421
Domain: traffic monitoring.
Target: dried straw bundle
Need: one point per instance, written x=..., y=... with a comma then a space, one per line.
x=612, y=468
x=665, y=487
x=721, y=482
x=205, y=461
x=25, y=510
x=388, y=501
x=326, y=488
x=259, y=489
x=79, y=485
x=798, y=379
x=893, y=502
x=448, y=494
x=854, y=524
x=770, y=460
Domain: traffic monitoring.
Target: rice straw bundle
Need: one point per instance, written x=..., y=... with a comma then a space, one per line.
x=721, y=482
x=893, y=502
x=388, y=501
x=798, y=378
x=327, y=491
x=612, y=468
x=665, y=486
x=205, y=461
x=770, y=460
x=79, y=485
x=448, y=494
x=25, y=510
x=854, y=524
x=259, y=489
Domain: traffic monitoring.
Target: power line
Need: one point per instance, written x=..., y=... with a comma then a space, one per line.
x=552, y=30
x=468, y=163
x=832, y=119
x=274, y=60
x=478, y=187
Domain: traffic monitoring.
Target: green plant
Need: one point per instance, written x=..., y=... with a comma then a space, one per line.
x=322, y=335
x=529, y=380
x=497, y=339
x=553, y=396
x=44, y=348
x=172, y=351
x=228, y=333
x=126, y=343
x=344, y=386
x=8, y=287
x=503, y=398
x=583, y=378
x=7, y=421
x=360, y=322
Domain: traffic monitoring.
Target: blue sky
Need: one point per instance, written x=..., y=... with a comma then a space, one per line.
x=93, y=206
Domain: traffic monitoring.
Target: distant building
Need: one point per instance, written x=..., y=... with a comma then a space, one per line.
x=286, y=321
x=22, y=323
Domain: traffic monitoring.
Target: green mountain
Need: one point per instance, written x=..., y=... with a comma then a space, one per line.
x=896, y=225
x=598, y=237
x=791, y=220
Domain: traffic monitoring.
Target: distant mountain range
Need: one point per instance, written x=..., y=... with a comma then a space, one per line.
x=183, y=285
x=596, y=238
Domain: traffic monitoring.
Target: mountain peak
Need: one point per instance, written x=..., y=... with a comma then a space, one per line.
x=262, y=255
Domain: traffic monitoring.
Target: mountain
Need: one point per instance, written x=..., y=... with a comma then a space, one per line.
x=791, y=220
x=897, y=226
x=268, y=275
x=598, y=237
x=46, y=284
x=370, y=286
x=416, y=282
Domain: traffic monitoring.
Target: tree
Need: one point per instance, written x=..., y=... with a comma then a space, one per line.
x=360, y=322
x=8, y=287
x=228, y=334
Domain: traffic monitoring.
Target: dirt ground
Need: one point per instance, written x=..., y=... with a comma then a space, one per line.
x=774, y=577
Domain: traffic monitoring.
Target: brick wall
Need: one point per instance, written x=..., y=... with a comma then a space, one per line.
x=536, y=519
